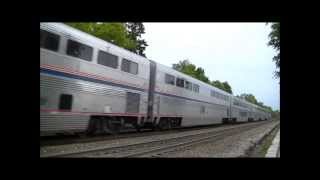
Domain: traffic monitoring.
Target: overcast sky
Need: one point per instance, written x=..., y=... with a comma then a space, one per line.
x=233, y=52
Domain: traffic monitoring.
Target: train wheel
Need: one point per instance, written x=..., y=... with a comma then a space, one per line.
x=163, y=124
x=137, y=127
x=113, y=125
x=170, y=124
x=92, y=128
x=234, y=120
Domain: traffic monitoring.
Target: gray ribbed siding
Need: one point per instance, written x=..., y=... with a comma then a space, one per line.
x=88, y=97
x=55, y=123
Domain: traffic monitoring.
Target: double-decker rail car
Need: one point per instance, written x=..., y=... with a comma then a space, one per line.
x=181, y=100
x=88, y=85
x=84, y=80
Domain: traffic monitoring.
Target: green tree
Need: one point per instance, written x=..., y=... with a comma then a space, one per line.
x=249, y=97
x=227, y=87
x=197, y=72
x=275, y=43
x=116, y=33
x=268, y=108
x=217, y=84
x=260, y=104
x=186, y=67
x=190, y=69
x=201, y=75
x=252, y=99
x=135, y=31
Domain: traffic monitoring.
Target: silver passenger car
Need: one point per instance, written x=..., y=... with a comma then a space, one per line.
x=83, y=78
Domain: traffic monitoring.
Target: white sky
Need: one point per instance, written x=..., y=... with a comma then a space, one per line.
x=233, y=52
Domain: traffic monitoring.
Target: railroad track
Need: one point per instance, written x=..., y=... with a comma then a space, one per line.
x=63, y=140
x=159, y=147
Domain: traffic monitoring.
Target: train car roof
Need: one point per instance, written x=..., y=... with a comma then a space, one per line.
x=92, y=40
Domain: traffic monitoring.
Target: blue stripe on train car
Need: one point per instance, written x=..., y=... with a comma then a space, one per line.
x=63, y=74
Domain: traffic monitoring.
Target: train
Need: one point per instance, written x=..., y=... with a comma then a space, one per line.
x=90, y=86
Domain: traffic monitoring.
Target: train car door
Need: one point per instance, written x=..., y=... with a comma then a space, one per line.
x=230, y=109
x=202, y=113
x=152, y=84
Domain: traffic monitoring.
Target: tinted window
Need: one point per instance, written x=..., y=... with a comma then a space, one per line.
x=243, y=114
x=169, y=79
x=133, y=102
x=180, y=82
x=125, y=66
x=188, y=85
x=107, y=59
x=65, y=102
x=49, y=40
x=129, y=66
x=79, y=50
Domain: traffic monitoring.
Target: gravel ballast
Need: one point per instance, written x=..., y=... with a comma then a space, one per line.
x=232, y=146
x=202, y=152
x=57, y=149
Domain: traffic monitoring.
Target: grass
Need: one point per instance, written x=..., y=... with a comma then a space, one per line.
x=262, y=148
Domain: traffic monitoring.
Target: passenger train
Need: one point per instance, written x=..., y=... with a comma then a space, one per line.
x=88, y=85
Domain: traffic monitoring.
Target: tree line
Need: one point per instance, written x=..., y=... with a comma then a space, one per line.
x=275, y=43
x=251, y=98
x=126, y=35
x=186, y=67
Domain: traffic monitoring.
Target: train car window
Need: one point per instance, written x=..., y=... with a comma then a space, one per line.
x=196, y=88
x=107, y=59
x=65, y=102
x=188, y=85
x=125, y=65
x=49, y=40
x=180, y=82
x=169, y=79
x=129, y=66
x=134, y=68
x=133, y=102
x=79, y=50
x=243, y=113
